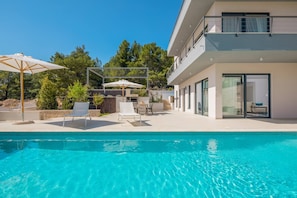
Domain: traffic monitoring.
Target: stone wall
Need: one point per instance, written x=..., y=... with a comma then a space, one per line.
x=40, y=115
x=47, y=114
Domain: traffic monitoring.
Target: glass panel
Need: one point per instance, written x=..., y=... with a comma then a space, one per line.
x=176, y=99
x=189, y=97
x=184, y=99
x=231, y=22
x=205, y=97
x=233, y=96
x=257, y=24
x=199, y=98
x=257, y=95
x=253, y=22
x=179, y=101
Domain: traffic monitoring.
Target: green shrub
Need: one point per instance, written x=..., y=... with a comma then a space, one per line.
x=77, y=92
x=142, y=92
x=46, y=98
x=98, y=99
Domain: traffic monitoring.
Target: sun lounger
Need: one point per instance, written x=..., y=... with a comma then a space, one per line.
x=127, y=111
x=80, y=109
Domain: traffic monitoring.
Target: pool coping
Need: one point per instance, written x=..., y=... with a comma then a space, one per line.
x=169, y=121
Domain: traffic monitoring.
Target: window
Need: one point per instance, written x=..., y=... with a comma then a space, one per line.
x=189, y=97
x=246, y=95
x=177, y=99
x=201, y=97
x=245, y=22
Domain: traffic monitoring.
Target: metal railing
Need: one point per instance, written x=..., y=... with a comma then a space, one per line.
x=236, y=25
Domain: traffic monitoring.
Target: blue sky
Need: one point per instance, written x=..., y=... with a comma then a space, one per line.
x=40, y=28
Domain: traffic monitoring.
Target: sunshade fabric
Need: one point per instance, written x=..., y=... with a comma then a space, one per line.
x=18, y=62
x=123, y=84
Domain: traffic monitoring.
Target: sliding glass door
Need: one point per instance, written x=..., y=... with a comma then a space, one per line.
x=233, y=96
x=199, y=98
x=205, y=97
x=246, y=95
x=257, y=96
x=201, y=90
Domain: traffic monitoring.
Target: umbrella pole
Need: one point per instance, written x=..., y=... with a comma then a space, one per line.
x=22, y=91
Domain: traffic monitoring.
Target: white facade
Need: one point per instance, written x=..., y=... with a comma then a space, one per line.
x=219, y=57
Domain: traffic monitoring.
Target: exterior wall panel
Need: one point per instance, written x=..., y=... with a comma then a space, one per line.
x=283, y=84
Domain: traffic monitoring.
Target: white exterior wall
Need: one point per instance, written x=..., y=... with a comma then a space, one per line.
x=283, y=89
x=282, y=8
x=209, y=74
x=283, y=75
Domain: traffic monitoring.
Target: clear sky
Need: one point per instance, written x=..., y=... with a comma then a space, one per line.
x=40, y=28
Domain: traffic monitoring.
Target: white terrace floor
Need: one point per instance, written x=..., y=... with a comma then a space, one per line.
x=163, y=121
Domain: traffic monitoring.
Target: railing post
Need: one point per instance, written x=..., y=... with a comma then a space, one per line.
x=193, y=39
x=204, y=25
x=237, y=25
x=88, y=75
x=270, y=25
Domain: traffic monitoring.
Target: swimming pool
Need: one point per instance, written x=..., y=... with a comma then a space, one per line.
x=179, y=164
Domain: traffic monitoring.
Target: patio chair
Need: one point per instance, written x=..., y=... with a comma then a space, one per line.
x=148, y=107
x=127, y=110
x=80, y=109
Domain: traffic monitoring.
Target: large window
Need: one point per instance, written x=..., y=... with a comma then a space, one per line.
x=245, y=22
x=201, y=97
x=246, y=95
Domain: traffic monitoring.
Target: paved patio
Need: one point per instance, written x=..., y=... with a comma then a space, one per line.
x=162, y=121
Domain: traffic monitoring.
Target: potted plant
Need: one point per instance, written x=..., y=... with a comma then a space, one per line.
x=98, y=99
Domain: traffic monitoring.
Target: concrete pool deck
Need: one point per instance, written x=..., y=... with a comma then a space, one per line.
x=161, y=121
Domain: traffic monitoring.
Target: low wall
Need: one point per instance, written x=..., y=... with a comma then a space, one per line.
x=47, y=114
x=17, y=115
x=40, y=115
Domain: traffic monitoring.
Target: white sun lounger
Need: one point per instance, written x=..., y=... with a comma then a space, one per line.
x=80, y=109
x=127, y=110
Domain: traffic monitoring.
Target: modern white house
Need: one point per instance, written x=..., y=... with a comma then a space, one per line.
x=235, y=58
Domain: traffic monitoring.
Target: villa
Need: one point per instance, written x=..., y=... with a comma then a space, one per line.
x=235, y=58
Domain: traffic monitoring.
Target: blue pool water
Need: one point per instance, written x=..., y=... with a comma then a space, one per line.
x=148, y=164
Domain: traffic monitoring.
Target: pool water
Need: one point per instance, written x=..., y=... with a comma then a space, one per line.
x=148, y=164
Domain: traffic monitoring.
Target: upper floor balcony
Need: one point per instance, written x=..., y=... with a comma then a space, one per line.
x=235, y=39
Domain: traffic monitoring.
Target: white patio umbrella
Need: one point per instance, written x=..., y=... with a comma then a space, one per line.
x=122, y=84
x=24, y=64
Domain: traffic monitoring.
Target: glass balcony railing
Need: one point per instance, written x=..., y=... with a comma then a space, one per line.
x=235, y=25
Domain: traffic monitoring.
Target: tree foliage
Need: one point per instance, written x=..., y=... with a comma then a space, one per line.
x=76, y=63
x=47, y=95
x=135, y=55
x=128, y=56
x=77, y=92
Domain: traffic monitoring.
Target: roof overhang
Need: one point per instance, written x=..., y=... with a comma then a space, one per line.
x=189, y=16
x=214, y=57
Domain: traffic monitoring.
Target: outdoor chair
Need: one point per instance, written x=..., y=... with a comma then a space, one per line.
x=148, y=107
x=127, y=110
x=80, y=109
